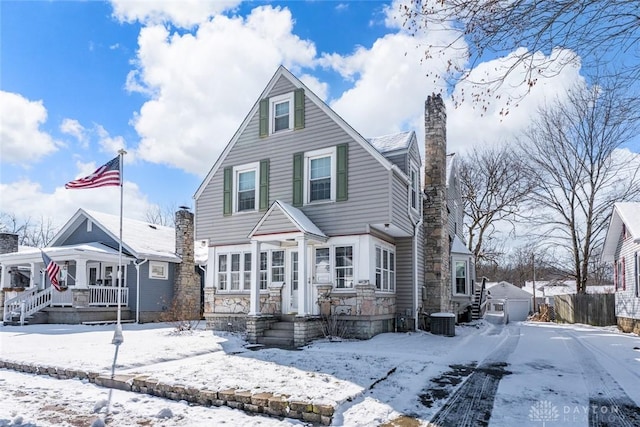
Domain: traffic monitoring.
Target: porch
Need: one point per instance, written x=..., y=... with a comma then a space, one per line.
x=75, y=305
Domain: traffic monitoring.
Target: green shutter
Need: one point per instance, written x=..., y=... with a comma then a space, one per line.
x=298, y=118
x=342, y=172
x=264, y=117
x=226, y=195
x=298, y=166
x=264, y=185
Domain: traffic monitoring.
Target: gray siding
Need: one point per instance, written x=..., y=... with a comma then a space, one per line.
x=276, y=222
x=404, y=276
x=368, y=180
x=155, y=294
x=81, y=235
x=399, y=205
x=399, y=159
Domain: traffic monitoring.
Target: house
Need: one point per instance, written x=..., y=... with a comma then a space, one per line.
x=622, y=248
x=515, y=302
x=546, y=290
x=305, y=217
x=158, y=265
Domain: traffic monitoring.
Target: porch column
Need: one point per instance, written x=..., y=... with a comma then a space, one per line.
x=32, y=275
x=5, y=280
x=303, y=281
x=209, y=277
x=81, y=274
x=254, y=298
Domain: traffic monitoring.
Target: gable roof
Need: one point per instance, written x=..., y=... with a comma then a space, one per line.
x=298, y=219
x=283, y=72
x=392, y=142
x=506, y=290
x=627, y=214
x=143, y=240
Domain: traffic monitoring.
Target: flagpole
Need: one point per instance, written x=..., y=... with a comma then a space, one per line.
x=117, y=337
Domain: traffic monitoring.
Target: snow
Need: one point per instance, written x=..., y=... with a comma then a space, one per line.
x=371, y=382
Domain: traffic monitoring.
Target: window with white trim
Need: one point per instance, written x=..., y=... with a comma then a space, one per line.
x=344, y=267
x=234, y=271
x=461, y=277
x=320, y=175
x=264, y=270
x=281, y=112
x=222, y=272
x=247, y=271
x=277, y=266
x=322, y=266
x=385, y=269
x=158, y=270
x=637, y=275
x=246, y=183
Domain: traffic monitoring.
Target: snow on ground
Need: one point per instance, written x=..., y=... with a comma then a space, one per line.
x=372, y=382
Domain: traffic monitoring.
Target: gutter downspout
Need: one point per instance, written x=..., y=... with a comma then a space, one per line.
x=138, y=288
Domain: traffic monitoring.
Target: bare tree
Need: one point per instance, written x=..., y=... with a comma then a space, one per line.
x=36, y=234
x=494, y=184
x=596, y=31
x=161, y=215
x=572, y=151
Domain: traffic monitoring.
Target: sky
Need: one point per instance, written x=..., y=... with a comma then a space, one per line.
x=550, y=373
x=171, y=81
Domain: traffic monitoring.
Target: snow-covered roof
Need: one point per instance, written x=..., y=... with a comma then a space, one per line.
x=551, y=288
x=140, y=238
x=627, y=214
x=505, y=290
x=96, y=251
x=392, y=142
x=458, y=247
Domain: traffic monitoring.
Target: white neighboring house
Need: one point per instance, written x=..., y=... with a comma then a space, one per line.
x=517, y=304
x=547, y=289
x=622, y=248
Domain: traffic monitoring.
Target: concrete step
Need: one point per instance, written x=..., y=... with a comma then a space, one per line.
x=276, y=342
x=278, y=333
x=283, y=326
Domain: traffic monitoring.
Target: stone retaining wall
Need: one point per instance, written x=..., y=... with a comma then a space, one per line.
x=260, y=403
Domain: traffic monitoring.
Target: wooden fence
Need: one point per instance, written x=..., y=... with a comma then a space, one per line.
x=590, y=309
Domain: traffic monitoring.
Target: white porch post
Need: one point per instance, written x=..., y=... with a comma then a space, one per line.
x=81, y=274
x=4, y=279
x=303, y=280
x=32, y=275
x=254, y=299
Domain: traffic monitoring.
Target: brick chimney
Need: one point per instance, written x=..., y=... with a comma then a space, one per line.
x=437, y=295
x=186, y=288
x=8, y=243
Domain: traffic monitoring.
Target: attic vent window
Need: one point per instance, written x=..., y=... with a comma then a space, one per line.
x=153, y=226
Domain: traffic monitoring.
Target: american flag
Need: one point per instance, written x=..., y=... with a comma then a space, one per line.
x=52, y=271
x=105, y=176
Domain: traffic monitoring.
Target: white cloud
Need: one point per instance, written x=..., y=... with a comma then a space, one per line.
x=109, y=144
x=28, y=200
x=182, y=13
x=204, y=84
x=74, y=128
x=23, y=142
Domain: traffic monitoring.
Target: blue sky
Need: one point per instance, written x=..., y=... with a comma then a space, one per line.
x=171, y=82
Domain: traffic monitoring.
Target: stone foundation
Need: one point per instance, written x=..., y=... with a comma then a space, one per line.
x=629, y=325
x=261, y=403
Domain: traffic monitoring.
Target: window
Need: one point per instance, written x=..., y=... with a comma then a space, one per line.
x=247, y=271
x=277, y=266
x=222, y=272
x=344, y=266
x=461, y=277
x=322, y=266
x=235, y=272
x=281, y=113
x=637, y=275
x=264, y=263
x=385, y=269
x=414, y=188
x=320, y=175
x=294, y=271
x=320, y=179
x=245, y=185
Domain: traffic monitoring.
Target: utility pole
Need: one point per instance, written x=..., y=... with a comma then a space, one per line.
x=533, y=265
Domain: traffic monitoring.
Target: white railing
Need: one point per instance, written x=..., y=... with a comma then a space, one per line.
x=26, y=304
x=107, y=296
x=61, y=299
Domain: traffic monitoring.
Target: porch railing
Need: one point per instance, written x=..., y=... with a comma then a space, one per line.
x=27, y=303
x=107, y=296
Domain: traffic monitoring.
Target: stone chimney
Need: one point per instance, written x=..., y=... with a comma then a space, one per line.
x=8, y=243
x=437, y=291
x=186, y=288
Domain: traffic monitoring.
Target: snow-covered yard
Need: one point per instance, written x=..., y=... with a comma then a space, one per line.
x=539, y=372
